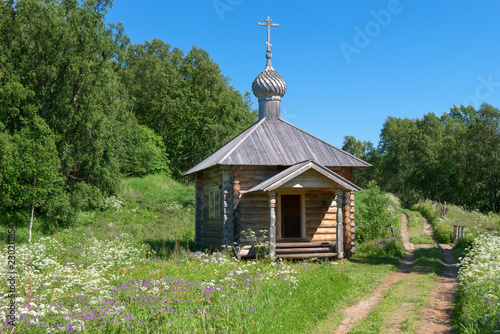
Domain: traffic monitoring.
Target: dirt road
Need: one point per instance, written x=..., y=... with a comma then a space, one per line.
x=435, y=318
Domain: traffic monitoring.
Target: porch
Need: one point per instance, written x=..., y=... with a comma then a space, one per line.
x=305, y=250
x=292, y=250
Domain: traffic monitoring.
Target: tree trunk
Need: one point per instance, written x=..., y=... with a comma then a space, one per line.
x=32, y=207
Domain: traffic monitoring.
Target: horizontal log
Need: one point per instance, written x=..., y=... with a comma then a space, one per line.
x=303, y=250
x=326, y=216
x=258, y=239
x=211, y=241
x=321, y=230
x=253, y=218
x=212, y=228
x=319, y=201
x=323, y=237
x=212, y=234
x=212, y=222
x=320, y=209
x=253, y=226
x=254, y=203
x=320, y=223
x=306, y=255
x=303, y=244
x=251, y=212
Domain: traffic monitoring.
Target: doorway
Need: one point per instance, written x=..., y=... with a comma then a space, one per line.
x=291, y=216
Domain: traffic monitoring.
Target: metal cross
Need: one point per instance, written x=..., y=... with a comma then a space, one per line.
x=269, y=25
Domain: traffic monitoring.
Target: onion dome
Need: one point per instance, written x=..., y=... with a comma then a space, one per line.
x=269, y=82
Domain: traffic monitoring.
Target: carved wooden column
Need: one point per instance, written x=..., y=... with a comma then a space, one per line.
x=340, y=228
x=236, y=211
x=227, y=207
x=272, y=225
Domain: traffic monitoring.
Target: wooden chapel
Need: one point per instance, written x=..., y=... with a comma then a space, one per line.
x=292, y=190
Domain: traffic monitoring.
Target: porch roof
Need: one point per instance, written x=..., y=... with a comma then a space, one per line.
x=292, y=172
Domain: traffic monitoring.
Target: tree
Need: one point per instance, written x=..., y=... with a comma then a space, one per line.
x=59, y=65
x=373, y=214
x=366, y=151
x=453, y=158
x=28, y=165
x=185, y=99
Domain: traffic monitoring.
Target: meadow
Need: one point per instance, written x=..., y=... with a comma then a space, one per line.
x=132, y=267
x=478, y=302
x=477, y=305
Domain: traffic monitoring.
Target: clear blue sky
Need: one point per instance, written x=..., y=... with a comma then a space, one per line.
x=348, y=64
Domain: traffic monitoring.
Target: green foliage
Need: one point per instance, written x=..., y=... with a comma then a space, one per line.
x=366, y=151
x=133, y=238
x=442, y=231
x=143, y=152
x=421, y=239
x=392, y=247
x=461, y=248
x=478, y=304
x=185, y=99
x=28, y=170
x=71, y=87
x=453, y=158
x=374, y=216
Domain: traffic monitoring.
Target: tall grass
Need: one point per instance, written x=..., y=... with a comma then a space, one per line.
x=126, y=268
x=478, y=305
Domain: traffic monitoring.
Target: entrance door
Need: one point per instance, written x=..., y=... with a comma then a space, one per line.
x=290, y=216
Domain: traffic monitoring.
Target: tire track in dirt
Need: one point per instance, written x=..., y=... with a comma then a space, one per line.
x=437, y=317
x=362, y=309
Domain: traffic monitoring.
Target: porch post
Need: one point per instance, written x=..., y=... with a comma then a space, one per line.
x=272, y=225
x=340, y=228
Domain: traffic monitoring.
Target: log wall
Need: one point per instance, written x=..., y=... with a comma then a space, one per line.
x=240, y=212
x=210, y=229
x=346, y=172
x=253, y=208
x=321, y=212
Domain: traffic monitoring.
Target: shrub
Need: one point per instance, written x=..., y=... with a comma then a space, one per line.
x=374, y=215
x=381, y=247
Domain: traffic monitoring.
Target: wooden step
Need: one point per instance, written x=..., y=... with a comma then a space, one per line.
x=304, y=244
x=303, y=250
x=306, y=255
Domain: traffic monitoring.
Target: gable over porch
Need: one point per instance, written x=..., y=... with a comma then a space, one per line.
x=309, y=212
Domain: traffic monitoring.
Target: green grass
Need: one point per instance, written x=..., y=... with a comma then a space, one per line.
x=475, y=221
x=442, y=231
x=421, y=239
x=477, y=307
x=400, y=309
x=135, y=252
x=416, y=228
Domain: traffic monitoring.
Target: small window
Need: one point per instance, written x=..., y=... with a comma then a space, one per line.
x=214, y=204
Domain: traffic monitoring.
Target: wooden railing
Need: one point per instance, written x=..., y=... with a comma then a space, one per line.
x=458, y=232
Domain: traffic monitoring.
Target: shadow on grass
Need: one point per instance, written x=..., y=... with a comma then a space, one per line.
x=427, y=261
x=166, y=249
x=376, y=260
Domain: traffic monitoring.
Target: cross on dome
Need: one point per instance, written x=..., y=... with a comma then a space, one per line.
x=269, y=25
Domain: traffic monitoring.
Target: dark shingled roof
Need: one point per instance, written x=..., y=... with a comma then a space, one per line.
x=277, y=143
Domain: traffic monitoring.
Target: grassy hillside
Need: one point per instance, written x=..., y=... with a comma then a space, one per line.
x=102, y=276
